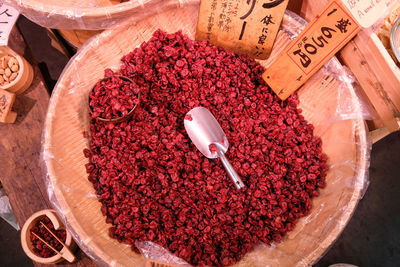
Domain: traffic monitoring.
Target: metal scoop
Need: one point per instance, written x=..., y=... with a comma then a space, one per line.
x=208, y=136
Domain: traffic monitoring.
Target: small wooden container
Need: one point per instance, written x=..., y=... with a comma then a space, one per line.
x=25, y=74
x=27, y=244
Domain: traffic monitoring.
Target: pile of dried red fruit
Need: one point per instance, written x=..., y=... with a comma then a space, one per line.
x=155, y=185
x=39, y=247
x=113, y=97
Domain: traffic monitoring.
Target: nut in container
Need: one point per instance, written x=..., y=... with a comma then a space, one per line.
x=16, y=74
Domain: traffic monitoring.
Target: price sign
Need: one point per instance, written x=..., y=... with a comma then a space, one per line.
x=317, y=43
x=242, y=26
x=8, y=17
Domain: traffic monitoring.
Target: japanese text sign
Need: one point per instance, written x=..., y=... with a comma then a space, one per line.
x=8, y=17
x=242, y=26
x=316, y=44
x=6, y=101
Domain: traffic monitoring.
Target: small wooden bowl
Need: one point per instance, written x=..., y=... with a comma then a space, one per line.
x=25, y=74
x=27, y=244
x=118, y=119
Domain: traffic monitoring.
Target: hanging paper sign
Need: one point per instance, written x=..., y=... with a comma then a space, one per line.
x=242, y=26
x=8, y=17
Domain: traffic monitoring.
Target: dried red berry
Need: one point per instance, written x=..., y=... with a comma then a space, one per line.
x=155, y=185
x=113, y=97
x=40, y=248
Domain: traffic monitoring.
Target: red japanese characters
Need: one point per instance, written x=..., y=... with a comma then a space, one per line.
x=155, y=185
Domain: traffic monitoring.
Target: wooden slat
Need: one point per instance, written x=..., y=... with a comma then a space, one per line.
x=295, y=6
x=384, y=67
x=310, y=8
x=373, y=89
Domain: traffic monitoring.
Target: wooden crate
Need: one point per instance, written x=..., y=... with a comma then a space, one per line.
x=376, y=72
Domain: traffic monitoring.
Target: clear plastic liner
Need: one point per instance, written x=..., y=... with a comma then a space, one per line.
x=6, y=211
x=156, y=252
x=80, y=15
x=328, y=100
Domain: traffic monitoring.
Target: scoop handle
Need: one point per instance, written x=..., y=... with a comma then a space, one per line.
x=231, y=172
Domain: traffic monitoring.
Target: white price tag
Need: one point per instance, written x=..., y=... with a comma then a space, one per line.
x=8, y=17
x=367, y=12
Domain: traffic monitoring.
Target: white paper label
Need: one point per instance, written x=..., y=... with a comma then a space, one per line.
x=8, y=17
x=367, y=12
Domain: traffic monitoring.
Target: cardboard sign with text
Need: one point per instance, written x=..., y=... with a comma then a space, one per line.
x=6, y=101
x=316, y=44
x=242, y=26
x=367, y=12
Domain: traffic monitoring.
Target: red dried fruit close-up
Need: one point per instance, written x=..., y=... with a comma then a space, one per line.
x=213, y=148
x=113, y=97
x=188, y=117
x=154, y=185
x=40, y=248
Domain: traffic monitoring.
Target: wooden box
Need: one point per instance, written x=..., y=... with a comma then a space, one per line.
x=376, y=72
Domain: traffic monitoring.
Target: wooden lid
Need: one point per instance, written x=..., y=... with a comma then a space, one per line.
x=80, y=14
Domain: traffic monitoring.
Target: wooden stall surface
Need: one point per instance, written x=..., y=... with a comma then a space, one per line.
x=20, y=144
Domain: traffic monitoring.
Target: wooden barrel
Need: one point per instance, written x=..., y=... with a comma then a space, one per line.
x=344, y=142
x=81, y=14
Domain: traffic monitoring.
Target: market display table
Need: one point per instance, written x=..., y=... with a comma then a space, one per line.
x=20, y=144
